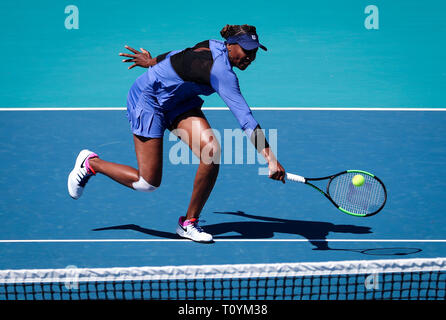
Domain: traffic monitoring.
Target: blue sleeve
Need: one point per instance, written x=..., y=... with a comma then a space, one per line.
x=225, y=83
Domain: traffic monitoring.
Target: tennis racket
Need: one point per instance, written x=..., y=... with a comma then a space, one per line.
x=363, y=201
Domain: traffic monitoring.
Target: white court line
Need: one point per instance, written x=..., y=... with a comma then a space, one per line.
x=221, y=240
x=225, y=108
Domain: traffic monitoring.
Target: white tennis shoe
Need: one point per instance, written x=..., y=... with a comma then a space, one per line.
x=81, y=173
x=190, y=229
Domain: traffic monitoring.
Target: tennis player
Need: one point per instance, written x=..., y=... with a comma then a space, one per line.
x=167, y=97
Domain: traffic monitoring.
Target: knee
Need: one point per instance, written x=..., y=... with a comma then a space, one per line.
x=211, y=154
x=143, y=186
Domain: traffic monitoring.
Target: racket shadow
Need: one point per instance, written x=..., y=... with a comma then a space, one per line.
x=391, y=251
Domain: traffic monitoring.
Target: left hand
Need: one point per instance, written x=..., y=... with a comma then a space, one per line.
x=139, y=59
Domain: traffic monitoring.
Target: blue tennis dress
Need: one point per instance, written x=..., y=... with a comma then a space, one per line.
x=173, y=85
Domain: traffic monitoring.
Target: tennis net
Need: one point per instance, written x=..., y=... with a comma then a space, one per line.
x=418, y=279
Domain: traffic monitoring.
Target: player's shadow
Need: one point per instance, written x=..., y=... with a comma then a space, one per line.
x=314, y=231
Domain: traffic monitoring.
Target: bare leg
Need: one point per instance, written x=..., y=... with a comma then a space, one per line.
x=149, y=154
x=202, y=141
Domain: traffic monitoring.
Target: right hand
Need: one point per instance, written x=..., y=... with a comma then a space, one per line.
x=139, y=59
x=276, y=171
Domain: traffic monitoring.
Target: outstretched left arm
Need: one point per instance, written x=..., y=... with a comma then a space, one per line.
x=140, y=59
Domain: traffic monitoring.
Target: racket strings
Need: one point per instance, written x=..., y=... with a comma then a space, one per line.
x=362, y=200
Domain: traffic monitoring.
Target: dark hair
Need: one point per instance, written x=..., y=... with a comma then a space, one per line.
x=233, y=30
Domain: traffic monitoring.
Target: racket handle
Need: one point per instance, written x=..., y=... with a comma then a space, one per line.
x=295, y=177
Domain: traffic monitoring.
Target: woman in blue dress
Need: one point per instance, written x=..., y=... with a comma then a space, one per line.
x=167, y=97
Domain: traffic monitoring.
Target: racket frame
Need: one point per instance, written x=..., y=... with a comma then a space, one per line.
x=304, y=180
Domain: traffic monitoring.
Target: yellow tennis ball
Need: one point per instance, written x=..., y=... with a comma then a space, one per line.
x=358, y=180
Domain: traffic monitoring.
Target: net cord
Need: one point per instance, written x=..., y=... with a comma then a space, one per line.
x=221, y=271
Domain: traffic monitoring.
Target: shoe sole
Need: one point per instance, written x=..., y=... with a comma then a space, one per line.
x=70, y=192
x=81, y=156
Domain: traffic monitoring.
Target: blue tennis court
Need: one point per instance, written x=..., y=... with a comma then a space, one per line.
x=331, y=93
x=408, y=155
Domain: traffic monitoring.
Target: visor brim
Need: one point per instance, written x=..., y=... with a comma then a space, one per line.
x=251, y=45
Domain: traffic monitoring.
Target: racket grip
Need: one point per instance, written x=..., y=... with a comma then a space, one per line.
x=295, y=177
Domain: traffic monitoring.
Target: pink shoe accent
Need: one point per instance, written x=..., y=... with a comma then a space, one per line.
x=87, y=164
x=183, y=222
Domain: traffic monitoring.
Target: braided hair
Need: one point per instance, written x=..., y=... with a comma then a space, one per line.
x=234, y=30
